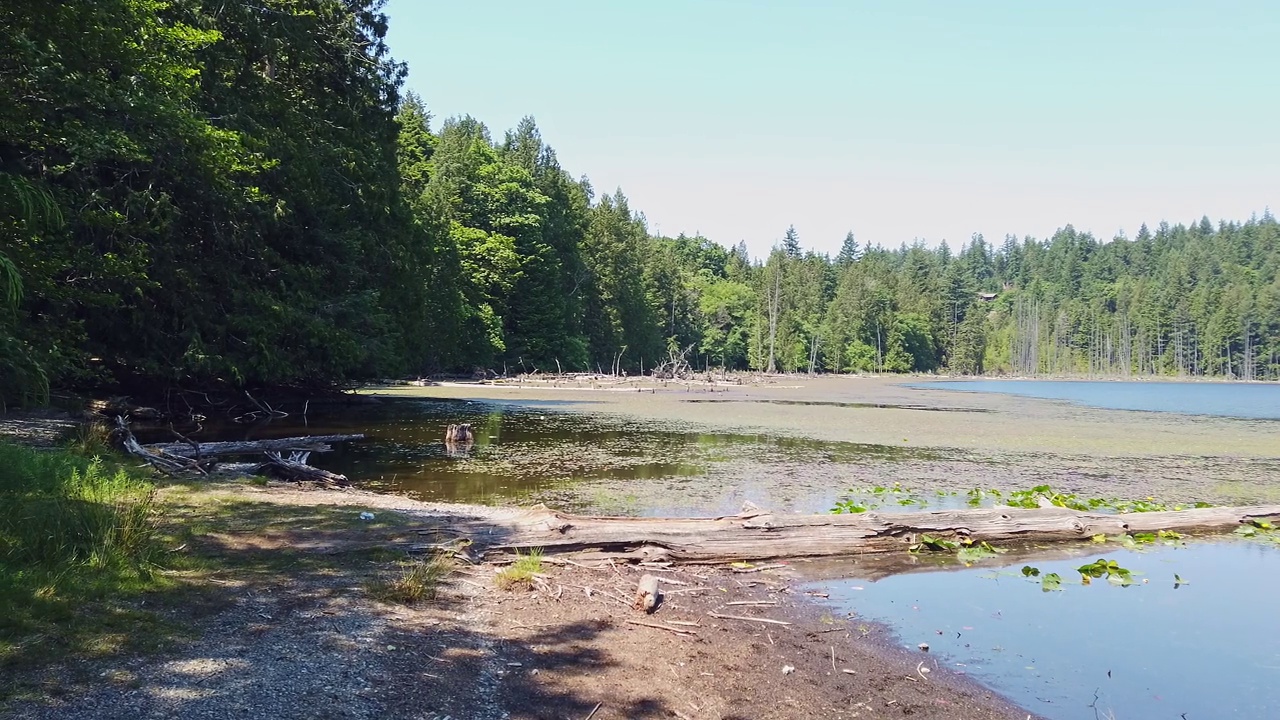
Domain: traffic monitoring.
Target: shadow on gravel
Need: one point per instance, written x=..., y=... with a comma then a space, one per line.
x=567, y=648
x=280, y=624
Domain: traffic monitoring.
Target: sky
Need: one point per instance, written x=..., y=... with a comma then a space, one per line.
x=897, y=120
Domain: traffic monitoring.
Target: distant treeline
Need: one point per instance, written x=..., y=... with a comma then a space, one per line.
x=197, y=193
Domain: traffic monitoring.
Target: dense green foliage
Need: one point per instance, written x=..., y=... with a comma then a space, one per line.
x=224, y=193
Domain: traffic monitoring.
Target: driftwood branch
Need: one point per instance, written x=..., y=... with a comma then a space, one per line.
x=168, y=463
x=191, y=457
x=765, y=536
x=295, y=469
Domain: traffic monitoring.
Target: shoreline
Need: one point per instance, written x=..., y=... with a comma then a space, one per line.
x=481, y=652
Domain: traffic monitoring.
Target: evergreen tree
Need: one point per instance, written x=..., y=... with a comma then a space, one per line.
x=848, y=251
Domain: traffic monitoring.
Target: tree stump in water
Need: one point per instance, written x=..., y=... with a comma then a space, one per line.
x=458, y=440
x=459, y=434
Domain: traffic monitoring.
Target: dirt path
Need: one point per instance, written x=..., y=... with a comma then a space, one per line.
x=284, y=627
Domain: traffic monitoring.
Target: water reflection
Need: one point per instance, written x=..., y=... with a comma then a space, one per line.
x=525, y=452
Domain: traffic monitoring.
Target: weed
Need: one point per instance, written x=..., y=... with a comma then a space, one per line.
x=419, y=581
x=521, y=572
x=89, y=439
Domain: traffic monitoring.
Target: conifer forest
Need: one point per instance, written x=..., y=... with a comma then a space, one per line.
x=200, y=194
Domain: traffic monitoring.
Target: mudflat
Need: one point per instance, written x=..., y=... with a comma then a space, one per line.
x=948, y=440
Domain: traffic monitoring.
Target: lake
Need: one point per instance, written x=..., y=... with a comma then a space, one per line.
x=1239, y=400
x=1201, y=650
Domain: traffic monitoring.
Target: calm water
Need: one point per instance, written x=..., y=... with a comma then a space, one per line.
x=1241, y=400
x=1208, y=649
x=537, y=452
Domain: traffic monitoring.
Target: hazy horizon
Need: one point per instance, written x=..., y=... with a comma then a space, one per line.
x=898, y=121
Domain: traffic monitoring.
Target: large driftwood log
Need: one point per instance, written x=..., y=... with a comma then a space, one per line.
x=313, y=443
x=762, y=536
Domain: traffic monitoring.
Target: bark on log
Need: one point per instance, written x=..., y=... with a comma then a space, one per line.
x=647, y=595
x=763, y=536
x=313, y=443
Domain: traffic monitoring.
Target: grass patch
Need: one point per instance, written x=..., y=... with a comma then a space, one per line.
x=90, y=439
x=521, y=572
x=419, y=581
x=79, y=546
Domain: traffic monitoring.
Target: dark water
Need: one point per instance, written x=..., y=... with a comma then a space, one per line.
x=1207, y=649
x=1240, y=400
x=538, y=452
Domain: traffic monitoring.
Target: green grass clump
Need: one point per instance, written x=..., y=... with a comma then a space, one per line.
x=58, y=510
x=77, y=538
x=420, y=581
x=521, y=572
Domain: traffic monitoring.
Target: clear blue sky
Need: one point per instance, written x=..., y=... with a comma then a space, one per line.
x=894, y=119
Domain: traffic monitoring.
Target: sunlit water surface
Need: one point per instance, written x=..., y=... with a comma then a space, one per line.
x=1206, y=649
x=1240, y=400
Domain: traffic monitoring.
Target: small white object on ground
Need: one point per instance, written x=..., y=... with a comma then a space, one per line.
x=366, y=515
x=923, y=647
x=787, y=669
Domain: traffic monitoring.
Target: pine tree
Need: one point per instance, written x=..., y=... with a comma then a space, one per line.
x=848, y=251
x=791, y=243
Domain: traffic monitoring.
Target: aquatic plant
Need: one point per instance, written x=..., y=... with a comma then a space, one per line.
x=1103, y=568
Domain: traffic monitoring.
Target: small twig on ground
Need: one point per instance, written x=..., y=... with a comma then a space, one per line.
x=678, y=631
x=833, y=658
x=762, y=568
x=753, y=602
x=593, y=711
x=748, y=619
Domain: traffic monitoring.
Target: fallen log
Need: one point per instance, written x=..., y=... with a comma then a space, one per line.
x=313, y=443
x=764, y=536
x=190, y=457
